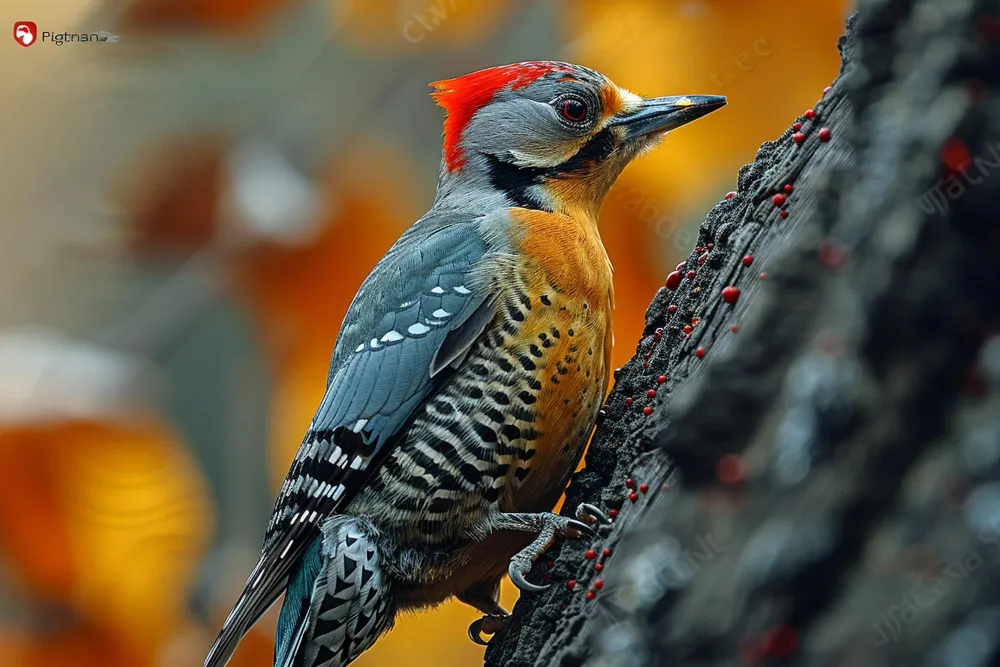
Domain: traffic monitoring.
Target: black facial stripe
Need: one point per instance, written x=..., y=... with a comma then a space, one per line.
x=515, y=181
x=598, y=148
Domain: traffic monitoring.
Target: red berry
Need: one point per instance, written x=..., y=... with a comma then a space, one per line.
x=661, y=379
x=734, y=328
x=824, y=134
x=730, y=294
x=606, y=552
x=628, y=401
x=599, y=584
x=651, y=393
x=571, y=584
x=687, y=329
x=788, y=187
x=672, y=308
x=634, y=496
x=955, y=154
x=590, y=554
x=783, y=214
x=810, y=114
x=643, y=488
x=673, y=280
x=827, y=89
x=780, y=641
x=798, y=138
x=779, y=200
x=691, y=275
x=612, y=513
x=591, y=595
x=748, y=260
x=681, y=266
x=700, y=352
x=832, y=253
x=729, y=469
x=702, y=258
x=647, y=411
x=796, y=126
x=599, y=567
x=710, y=246
x=730, y=195
x=629, y=483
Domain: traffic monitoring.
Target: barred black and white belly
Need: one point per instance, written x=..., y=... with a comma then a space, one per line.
x=470, y=440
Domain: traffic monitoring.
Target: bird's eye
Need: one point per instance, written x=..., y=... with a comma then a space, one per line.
x=573, y=109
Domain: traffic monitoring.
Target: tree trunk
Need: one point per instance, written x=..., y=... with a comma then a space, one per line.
x=809, y=475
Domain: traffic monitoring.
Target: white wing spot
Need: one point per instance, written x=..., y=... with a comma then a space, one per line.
x=440, y=313
x=374, y=343
x=392, y=337
x=339, y=491
x=312, y=517
x=418, y=329
x=437, y=290
x=462, y=289
x=334, y=455
x=356, y=463
x=287, y=547
x=359, y=348
x=359, y=425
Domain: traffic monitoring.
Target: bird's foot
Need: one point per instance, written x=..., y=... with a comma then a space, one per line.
x=489, y=624
x=548, y=526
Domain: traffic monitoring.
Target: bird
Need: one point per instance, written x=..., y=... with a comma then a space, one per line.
x=466, y=376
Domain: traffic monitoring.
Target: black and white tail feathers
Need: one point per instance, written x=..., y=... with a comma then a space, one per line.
x=338, y=601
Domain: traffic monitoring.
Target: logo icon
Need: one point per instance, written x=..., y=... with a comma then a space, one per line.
x=25, y=32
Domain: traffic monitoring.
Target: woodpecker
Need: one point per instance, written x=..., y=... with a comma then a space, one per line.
x=466, y=376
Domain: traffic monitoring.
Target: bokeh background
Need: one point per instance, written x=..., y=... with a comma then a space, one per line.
x=185, y=215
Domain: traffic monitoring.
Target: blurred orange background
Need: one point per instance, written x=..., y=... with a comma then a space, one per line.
x=186, y=214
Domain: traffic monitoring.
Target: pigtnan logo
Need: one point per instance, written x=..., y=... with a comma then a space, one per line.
x=25, y=32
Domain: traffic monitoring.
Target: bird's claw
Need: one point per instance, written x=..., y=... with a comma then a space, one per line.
x=516, y=572
x=488, y=624
x=579, y=527
x=585, y=510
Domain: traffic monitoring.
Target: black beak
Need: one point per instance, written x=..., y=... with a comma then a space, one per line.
x=662, y=114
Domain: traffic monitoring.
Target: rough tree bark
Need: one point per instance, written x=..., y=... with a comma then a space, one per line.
x=822, y=485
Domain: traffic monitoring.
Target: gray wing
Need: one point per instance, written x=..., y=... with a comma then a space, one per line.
x=418, y=312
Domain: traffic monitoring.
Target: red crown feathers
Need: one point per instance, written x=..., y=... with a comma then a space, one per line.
x=462, y=96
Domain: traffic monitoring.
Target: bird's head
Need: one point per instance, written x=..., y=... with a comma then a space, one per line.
x=549, y=135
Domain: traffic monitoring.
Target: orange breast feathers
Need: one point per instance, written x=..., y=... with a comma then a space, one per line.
x=565, y=261
x=567, y=250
